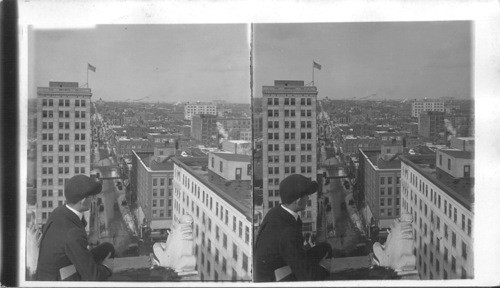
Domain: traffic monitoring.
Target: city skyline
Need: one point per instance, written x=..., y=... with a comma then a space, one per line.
x=166, y=63
x=395, y=60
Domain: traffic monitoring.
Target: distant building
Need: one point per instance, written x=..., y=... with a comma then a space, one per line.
x=125, y=146
x=245, y=135
x=363, y=129
x=391, y=142
x=460, y=125
x=238, y=123
x=153, y=186
x=431, y=124
x=463, y=143
x=237, y=147
x=186, y=130
x=204, y=128
x=164, y=137
x=380, y=175
x=419, y=106
x=289, y=143
x=63, y=142
x=438, y=192
x=221, y=207
x=194, y=109
x=411, y=127
x=350, y=144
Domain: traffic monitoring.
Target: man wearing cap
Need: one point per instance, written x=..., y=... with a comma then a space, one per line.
x=63, y=248
x=279, y=253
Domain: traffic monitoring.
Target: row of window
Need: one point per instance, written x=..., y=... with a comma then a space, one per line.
x=62, y=170
x=434, y=261
x=208, y=201
x=161, y=213
x=435, y=198
x=389, y=212
x=289, y=101
x=389, y=180
x=389, y=190
x=435, y=235
x=63, y=103
x=161, y=181
x=289, y=147
x=161, y=202
x=62, y=148
x=63, y=125
x=49, y=193
x=50, y=182
x=223, y=262
x=289, y=124
x=388, y=201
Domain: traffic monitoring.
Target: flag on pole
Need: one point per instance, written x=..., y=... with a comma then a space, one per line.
x=316, y=65
x=90, y=67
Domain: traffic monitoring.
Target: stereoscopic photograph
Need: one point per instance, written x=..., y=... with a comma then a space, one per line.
x=139, y=160
x=364, y=157
x=258, y=149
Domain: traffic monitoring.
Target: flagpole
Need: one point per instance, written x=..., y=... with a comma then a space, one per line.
x=313, y=74
x=87, y=75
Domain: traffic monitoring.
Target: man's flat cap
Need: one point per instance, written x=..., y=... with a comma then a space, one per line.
x=295, y=186
x=79, y=187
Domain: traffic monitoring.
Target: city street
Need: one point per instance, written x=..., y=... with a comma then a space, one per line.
x=112, y=226
x=338, y=228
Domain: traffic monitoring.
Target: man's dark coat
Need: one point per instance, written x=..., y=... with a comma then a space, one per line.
x=279, y=243
x=65, y=243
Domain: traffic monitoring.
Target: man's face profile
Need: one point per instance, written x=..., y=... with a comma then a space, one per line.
x=302, y=203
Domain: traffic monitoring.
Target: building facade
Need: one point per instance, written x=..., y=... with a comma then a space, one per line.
x=222, y=216
x=125, y=146
x=289, y=144
x=381, y=187
x=350, y=144
x=438, y=192
x=194, y=109
x=154, y=187
x=419, y=106
x=63, y=142
x=431, y=124
x=204, y=128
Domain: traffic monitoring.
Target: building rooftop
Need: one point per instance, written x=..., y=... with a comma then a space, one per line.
x=236, y=192
x=461, y=189
x=388, y=162
x=458, y=153
x=234, y=157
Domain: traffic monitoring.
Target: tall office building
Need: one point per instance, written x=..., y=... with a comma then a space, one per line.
x=438, y=192
x=289, y=141
x=63, y=142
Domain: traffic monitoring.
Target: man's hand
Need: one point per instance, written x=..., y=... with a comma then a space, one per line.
x=326, y=263
x=109, y=262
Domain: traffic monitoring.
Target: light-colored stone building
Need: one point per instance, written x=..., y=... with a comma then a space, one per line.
x=194, y=109
x=289, y=144
x=438, y=192
x=221, y=209
x=419, y=106
x=63, y=142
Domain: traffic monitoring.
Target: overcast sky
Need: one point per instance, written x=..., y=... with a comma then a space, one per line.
x=396, y=60
x=163, y=62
